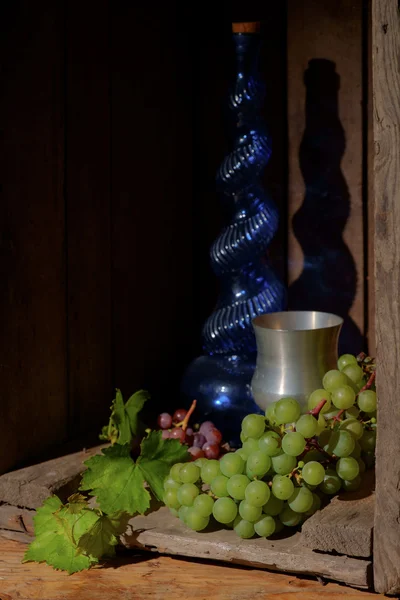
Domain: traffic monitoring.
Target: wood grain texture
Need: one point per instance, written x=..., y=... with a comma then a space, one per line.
x=386, y=90
x=370, y=183
x=29, y=487
x=16, y=519
x=33, y=405
x=138, y=576
x=88, y=214
x=161, y=532
x=325, y=161
x=344, y=526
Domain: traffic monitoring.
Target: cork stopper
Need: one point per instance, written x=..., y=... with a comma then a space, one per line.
x=246, y=27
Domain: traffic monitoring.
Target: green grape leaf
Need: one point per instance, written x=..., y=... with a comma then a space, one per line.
x=124, y=423
x=132, y=408
x=102, y=537
x=54, y=543
x=119, y=483
x=76, y=503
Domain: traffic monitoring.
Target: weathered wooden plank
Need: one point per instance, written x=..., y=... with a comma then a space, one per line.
x=30, y=486
x=88, y=213
x=326, y=262
x=33, y=407
x=16, y=519
x=386, y=92
x=344, y=526
x=161, y=532
x=140, y=576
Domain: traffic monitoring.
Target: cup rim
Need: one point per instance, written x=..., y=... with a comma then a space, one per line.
x=258, y=322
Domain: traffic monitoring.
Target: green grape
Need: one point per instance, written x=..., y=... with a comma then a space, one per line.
x=175, y=470
x=249, y=512
x=283, y=463
x=244, y=529
x=174, y=512
x=345, y=360
x=265, y=526
x=187, y=493
x=288, y=517
x=231, y=524
x=316, y=505
x=352, y=412
x=189, y=473
x=171, y=484
x=200, y=462
x=270, y=443
x=369, y=459
x=273, y=507
x=368, y=440
x=279, y=526
x=182, y=512
x=250, y=446
x=270, y=413
x=259, y=463
x=224, y=510
x=307, y=425
x=253, y=426
x=316, y=397
x=343, y=397
x=171, y=498
x=243, y=437
x=287, y=410
x=353, y=485
x=367, y=401
x=354, y=373
x=210, y=470
x=347, y=468
x=357, y=451
x=313, y=455
x=334, y=379
x=293, y=443
x=313, y=473
x=331, y=414
x=249, y=473
x=196, y=521
x=237, y=486
x=301, y=500
x=257, y=493
x=325, y=437
x=361, y=465
x=341, y=443
x=203, y=504
x=242, y=453
x=321, y=424
x=231, y=464
x=353, y=426
x=282, y=487
x=219, y=486
x=331, y=483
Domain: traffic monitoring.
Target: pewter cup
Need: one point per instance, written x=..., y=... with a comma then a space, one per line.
x=294, y=351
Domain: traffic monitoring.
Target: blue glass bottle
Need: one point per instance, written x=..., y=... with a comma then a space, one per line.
x=220, y=380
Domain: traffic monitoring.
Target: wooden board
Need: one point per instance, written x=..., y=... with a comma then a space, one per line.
x=33, y=407
x=87, y=196
x=386, y=90
x=29, y=487
x=345, y=526
x=140, y=576
x=17, y=519
x=161, y=532
x=325, y=162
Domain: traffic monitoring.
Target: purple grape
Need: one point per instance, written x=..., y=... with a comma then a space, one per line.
x=164, y=421
x=165, y=434
x=199, y=440
x=196, y=452
x=207, y=425
x=214, y=436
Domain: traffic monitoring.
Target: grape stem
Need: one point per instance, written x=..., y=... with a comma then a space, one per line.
x=338, y=417
x=189, y=413
x=314, y=443
x=315, y=411
x=369, y=383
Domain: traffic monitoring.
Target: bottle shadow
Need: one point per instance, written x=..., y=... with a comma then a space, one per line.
x=329, y=279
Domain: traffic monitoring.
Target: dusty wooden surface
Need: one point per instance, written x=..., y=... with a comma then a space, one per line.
x=162, y=532
x=138, y=576
x=13, y=518
x=344, y=526
x=30, y=486
x=386, y=89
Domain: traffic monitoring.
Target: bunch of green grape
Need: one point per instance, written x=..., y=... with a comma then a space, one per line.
x=289, y=463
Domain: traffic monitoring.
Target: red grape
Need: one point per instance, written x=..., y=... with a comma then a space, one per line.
x=178, y=434
x=196, y=452
x=211, y=450
x=204, y=427
x=179, y=415
x=165, y=434
x=164, y=421
x=199, y=440
x=189, y=436
x=214, y=436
